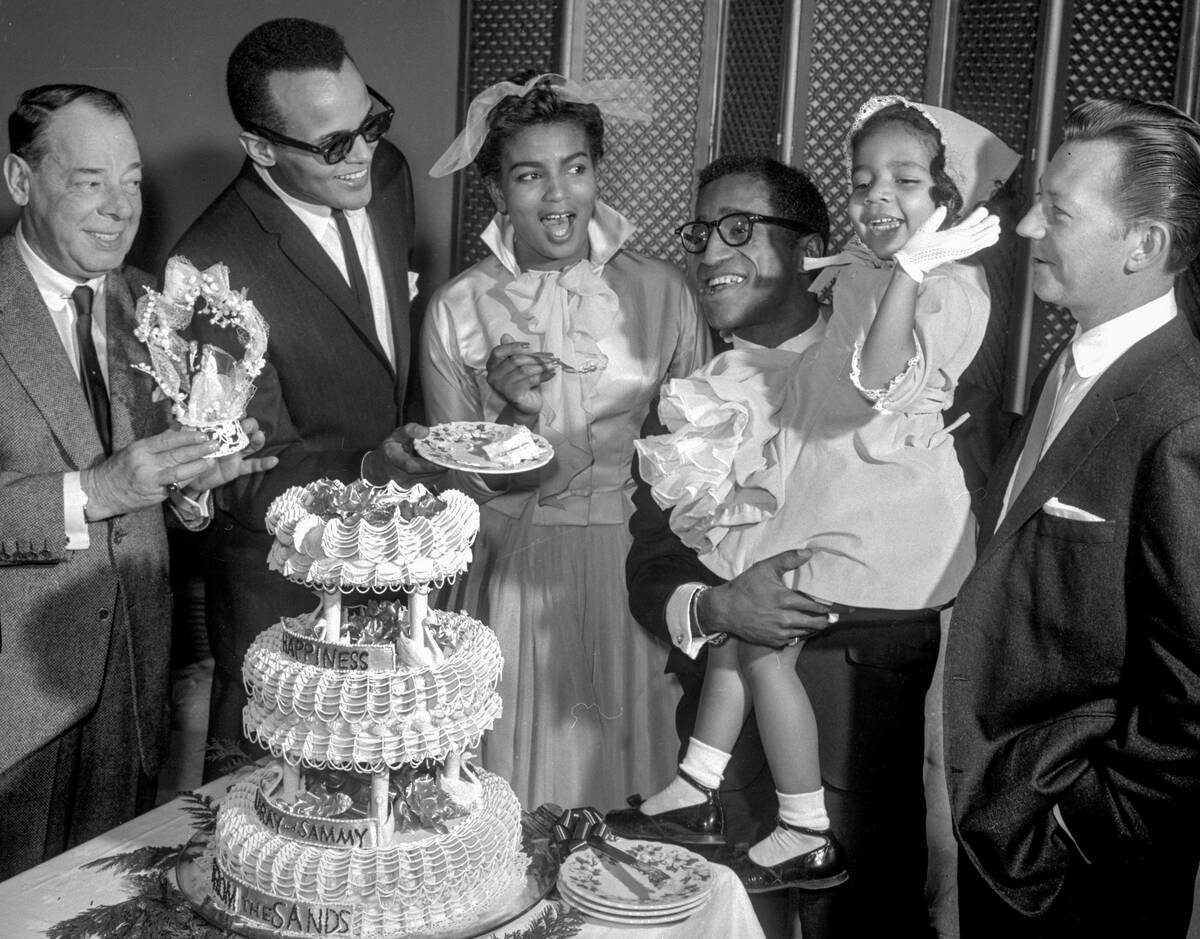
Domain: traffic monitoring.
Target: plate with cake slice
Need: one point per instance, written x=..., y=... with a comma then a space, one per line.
x=484, y=447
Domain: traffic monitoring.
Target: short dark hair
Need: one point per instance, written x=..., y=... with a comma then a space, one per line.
x=35, y=107
x=540, y=105
x=791, y=192
x=289, y=44
x=1160, y=165
x=945, y=191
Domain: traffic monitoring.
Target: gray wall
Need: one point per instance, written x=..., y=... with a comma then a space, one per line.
x=167, y=57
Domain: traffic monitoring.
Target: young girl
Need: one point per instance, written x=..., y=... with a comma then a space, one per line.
x=566, y=331
x=847, y=455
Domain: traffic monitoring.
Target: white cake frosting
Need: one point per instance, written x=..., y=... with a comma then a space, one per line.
x=372, y=824
x=365, y=719
x=359, y=537
x=431, y=880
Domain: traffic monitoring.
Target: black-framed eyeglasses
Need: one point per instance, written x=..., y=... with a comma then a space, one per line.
x=735, y=230
x=336, y=148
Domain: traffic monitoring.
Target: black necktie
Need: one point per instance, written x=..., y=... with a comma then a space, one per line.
x=358, y=280
x=89, y=366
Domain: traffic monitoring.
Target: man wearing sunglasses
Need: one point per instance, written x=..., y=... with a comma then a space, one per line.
x=756, y=220
x=318, y=227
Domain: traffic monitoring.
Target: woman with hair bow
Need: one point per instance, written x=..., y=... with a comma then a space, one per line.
x=565, y=331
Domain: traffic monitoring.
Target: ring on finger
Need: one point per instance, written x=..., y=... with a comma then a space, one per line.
x=793, y=640
x=171, y=487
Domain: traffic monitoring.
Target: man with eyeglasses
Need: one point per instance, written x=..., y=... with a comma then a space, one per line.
x=318, y=228
x=756, y=221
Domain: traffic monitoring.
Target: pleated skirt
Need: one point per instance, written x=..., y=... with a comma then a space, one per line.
x=588, y=711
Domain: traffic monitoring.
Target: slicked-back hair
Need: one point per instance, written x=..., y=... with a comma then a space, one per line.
x=945, y=191
x=1159, y=169
x=289, y=44
x=540, y=105
x=27, y=123
x=791, y=192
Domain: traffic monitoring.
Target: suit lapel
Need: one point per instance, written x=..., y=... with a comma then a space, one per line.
x=309, y=258
x=31, y=346
x=129, y=390
x=1095, y=417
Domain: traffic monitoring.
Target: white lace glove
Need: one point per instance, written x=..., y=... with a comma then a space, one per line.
x=928, y=247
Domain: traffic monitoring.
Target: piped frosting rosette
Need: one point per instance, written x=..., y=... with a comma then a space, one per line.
x=334, y=536
x=365, y=720
x=420, y=882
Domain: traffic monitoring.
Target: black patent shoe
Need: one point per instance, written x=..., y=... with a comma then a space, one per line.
x=702, y=824
x=819, y=869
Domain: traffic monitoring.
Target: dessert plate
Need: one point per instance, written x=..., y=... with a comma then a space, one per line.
x=598, y=884
x=461, y=445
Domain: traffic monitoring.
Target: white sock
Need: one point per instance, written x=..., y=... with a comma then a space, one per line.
x=806, y=809
x=704, y=764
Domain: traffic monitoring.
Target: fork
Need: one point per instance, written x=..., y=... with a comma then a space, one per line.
x=592, y=365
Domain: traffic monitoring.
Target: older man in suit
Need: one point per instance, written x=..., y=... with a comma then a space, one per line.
x=318, y=226
x=1072, y=694
x=86, y=463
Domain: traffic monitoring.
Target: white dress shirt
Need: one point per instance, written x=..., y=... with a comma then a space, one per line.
x=1093, y=351
x=56, y=289
x=318, y=219
x=678, y=605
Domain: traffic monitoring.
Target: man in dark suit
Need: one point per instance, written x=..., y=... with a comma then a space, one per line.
x=318, y=227
x=866, y=679
x=86, y=463
x=1072, y=692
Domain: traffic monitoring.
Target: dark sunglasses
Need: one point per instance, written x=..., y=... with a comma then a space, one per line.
x=735, y=230
x=336, y=148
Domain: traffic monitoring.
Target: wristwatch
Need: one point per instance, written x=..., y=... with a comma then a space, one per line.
x=713, y=639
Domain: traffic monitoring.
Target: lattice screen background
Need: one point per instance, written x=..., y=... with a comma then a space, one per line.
x=503, y=37
x=648, y=169
x=854, y=56
x=754, y=66
x=996, y=51
x=1116, y=48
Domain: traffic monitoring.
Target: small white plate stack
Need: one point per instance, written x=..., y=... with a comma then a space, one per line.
x=613, y=892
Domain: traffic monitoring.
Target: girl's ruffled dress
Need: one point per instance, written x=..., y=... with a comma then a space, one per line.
x=588, y=713
x=770, y=451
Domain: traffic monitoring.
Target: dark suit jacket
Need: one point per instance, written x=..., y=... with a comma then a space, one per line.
x=327, y=393
x=61, y=609
x=1073, y=668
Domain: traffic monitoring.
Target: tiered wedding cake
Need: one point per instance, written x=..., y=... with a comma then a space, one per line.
x=371, y=823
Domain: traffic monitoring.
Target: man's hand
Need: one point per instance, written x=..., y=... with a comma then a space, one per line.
x=394, y=459
x=516, y=376
x=228, y=468
x=137, y=477
x=757, y=607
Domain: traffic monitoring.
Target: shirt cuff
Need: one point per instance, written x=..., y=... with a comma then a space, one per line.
x=1057, y=813
x=679, y=623
x=74, y=521
x=193, y=513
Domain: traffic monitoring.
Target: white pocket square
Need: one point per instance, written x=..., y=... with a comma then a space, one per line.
x=1062, y=510
x=412, y=285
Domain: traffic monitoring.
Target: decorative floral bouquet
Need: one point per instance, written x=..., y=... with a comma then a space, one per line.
x=208, y=387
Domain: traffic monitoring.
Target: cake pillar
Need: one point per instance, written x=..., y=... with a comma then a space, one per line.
x=291, y=783
x=380, y=802
x=452, y=768
x=331, y=615
x=418, y=609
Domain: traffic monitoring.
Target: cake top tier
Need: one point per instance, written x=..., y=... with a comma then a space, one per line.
x=335, y=536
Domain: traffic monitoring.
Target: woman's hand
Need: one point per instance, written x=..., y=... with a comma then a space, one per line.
x=516, y=376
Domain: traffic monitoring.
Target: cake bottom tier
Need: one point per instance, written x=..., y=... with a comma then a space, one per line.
x=424, y=881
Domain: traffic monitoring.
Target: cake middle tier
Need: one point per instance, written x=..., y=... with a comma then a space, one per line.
x=370, y=717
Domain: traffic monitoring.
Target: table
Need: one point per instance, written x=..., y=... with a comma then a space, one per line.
x=37, y=899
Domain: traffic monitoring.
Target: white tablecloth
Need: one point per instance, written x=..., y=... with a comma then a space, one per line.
x=33, y=901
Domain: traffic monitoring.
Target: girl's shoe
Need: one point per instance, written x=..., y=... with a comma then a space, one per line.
x=822, y=867
x=693, y=824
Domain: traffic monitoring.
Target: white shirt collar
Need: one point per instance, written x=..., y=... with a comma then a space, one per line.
x=608, y=230
x=798, y=343
x=315, y=217
x=54, y=286
x=1097, y=348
